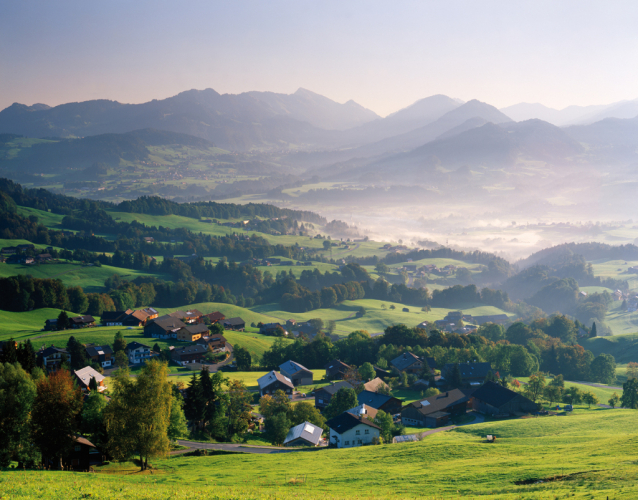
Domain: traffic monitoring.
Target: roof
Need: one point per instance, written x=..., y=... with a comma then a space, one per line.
x=114, y=315
x=234, y=321
x=272, y=377
x=468, y=370
x=439, y=402
x=374, y=385
x=364, y=411
x=194, y=313
x=206, y=339
x=292, y=367
x=83, y=319
x=334, y=388
x=494, y=394
x=438, y=414
x=139, y=315
x=150, y=311
x=405, y=360
x=189, y=349
x=373, y=399
x=87, y=373
x=346, y=421
x=168, y=323
x=215, y=316
x=136, y=345
x=82, y=440
x=336, y=366
x=198, y=328
x=306, y=431
x=52, y=350
x=97, y=350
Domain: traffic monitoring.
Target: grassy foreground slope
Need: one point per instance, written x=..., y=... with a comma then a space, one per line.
x=624, y=348
x=592, y=453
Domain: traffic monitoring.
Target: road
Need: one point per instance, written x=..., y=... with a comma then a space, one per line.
x=591, y=384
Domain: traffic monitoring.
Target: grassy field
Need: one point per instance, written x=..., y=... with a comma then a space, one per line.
x=620, y=321
x=624, y=348
x=250, y=378
x=22, y=325
x=592, y=454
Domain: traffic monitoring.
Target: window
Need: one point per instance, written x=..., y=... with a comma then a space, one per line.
x=359, y=442
x=347, y=443
x=358, y=432
x=367, y=431
x=78, y=447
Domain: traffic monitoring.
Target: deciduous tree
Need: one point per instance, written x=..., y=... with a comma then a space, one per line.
x=629, y=397
x=343, y=400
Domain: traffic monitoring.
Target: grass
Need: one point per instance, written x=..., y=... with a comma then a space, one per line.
x=619, y=320
x=624, y=348
x=594, y=452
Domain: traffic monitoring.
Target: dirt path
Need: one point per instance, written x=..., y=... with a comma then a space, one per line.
x=592, y=384
x=238, y=447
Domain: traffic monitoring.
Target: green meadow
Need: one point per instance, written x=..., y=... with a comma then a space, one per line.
x=589, y=454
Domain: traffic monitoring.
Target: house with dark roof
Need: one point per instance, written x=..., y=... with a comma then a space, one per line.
x=53, y=357
x=217, y=342
x=323, y=395
x=348, y=430
x=298, y=374
x=114, y=318
x=190, y=354
x=270, y=328
x=138, y=353
x=274, y=381
x=82, y=321
x=84, y=376
x=407, y=362
x=214, y=317
x=335, y=370
x=435, y=411
x=237, y=324
x=388, y=404
x=191, y=333
x=494, y=399
x=100, y=354
x=381, y=373
x=305, y=434
x=472, y=374
x=136, y=318
x=164, y=327
x=82, y=456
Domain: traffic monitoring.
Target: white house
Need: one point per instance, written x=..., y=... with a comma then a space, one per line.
x=348, y=430
x=138, y=353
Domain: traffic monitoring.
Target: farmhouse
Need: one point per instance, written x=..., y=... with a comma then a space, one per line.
x=82, y=321
x=84, y=377
x=52, y=357
x=136, y=318
x=114, y=318
x=435, y=410
x=270, y=328
x=137, y=353
x=305, y=434
x=298, y=374
x=323, y=395
x=101, y=355
x=164, y=327
x=494, y=399
x=191, y=333
x=82, y=456
x=237, y=324
x=472, y=374
x=348, y=430
x=214, y=317
x=216, y=343
x=189, y=354
x=388, y=404
x=273, y=381
x=408, y=362
x=335, y=370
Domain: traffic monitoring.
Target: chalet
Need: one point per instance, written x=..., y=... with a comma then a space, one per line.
x=335, y=370
x=237, y=324
x=138, y=353
x=364, y=411
x=323, y=395
x=136, y=318
x=408, y=363
x=494, y=399
x=189, y=354
x=25, y=246
x=435, y=411
x=305, y=434
x=53, y=357
x=348, y=430
x=148, y=239
x=472, y=374
x=82, y=321
x=44, y=257
x=298, y=374
x=114, y=318
x=84, y=377
x=194, y=316
x=270, y=328
x=388, y=404
x=375, y=385
x=217, y=343
x=164, y=327
x=82, y=456
x=151, y=313
x=51, y=324
x=274, y=381
x=191, y=333
x=214, y=317
x=8, y=250
x=304, y=330
x=100, y=354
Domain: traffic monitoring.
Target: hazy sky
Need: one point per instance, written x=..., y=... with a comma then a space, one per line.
x=384, y=55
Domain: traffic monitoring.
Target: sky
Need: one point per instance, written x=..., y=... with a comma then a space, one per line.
x=383, y=55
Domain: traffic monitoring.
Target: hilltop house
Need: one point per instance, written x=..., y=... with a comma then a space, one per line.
x=84, y=377
x=388, y=404
x=305, y=434
x=335, y=370
x=274, y=381
x=348, y=430
x=298, y=374
x=137, y=353
x=494, y=399
x=323, y=395
x=407, y=362
x=100, y=354
x=435, y=410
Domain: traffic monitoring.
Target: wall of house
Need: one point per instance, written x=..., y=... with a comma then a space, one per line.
x=411, y=416
x=352, y=438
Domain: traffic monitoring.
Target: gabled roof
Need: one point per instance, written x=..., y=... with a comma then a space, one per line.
x=108, y=316
x=83, y=319
x=346, y=421
x=52, y=350
x=439, y=402
x=405, y=360
x=197, y=328
x=307, y=431
x=189, y=349
x=364, y=411
x=97, y=350
x=334, y=388
x=494, y=394
x=136, y=345
x=336, y=366
x=87, y=373
x=468, y=370
x=215, y=316
x=373, y=399
x=82, y=440
x=168, y=323
x=139, y=315
x=374, y=385
x=292, y=367
x=272, y=377
x=194, y=313
x=234, y=321
x=206, y=339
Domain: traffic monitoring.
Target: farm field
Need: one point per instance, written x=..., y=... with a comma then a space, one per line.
x=582, y=450
x=616, y=269
x=621, y=322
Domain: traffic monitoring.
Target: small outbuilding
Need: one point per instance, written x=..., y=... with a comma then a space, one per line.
x=305, y=434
